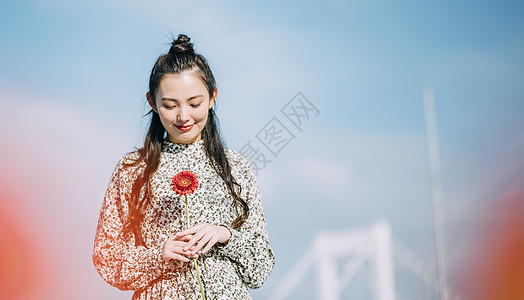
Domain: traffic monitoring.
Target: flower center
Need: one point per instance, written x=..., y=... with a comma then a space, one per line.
x=185, y=182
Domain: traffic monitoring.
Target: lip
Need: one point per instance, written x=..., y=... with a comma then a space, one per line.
x=185, y=127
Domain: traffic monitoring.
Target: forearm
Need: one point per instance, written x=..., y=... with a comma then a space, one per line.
x=252, y=254
x=128, y=268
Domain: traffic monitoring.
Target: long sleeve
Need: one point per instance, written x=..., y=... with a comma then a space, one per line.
x=249, y=246
x=115, y=256
x=227, y=270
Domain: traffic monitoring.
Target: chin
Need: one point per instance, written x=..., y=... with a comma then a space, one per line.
x=183, y=140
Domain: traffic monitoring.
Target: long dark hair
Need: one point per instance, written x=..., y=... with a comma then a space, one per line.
x=181, y=57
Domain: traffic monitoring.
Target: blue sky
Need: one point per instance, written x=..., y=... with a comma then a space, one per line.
x=73, y=76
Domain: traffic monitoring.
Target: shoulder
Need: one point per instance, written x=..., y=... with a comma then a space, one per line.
x=129, y=163
x=240, y=166
x=237, y=160
x=130, y=158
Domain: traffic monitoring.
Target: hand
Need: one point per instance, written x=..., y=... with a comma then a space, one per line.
x=203, y=236
x=173, y=248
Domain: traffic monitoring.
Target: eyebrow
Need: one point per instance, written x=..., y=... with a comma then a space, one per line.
x=173, y=99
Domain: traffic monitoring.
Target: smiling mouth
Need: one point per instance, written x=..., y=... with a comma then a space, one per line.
x=185, y=127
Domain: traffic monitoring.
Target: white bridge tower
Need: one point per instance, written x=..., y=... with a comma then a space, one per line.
x=360, y=245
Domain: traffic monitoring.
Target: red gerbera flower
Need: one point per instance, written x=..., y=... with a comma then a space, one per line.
x=184, y=183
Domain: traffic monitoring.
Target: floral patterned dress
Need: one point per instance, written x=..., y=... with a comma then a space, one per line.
x=227, y=270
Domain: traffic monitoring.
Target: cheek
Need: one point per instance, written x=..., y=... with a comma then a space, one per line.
x=165, y=115
x=201, y=114
x=166, y=119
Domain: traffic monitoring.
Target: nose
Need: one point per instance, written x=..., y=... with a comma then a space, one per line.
x=183, y=115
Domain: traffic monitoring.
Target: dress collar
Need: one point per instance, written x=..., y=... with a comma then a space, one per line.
x=175, y=148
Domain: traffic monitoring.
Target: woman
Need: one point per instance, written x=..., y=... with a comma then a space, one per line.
x=142, y=241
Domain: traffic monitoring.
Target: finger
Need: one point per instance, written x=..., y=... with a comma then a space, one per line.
x=204, y=241
x=175, y=238
x=171, y=253
x=188, y=254
x=196, y=238
x=186, y=232
x=185, y=238
x=177, y=247
x=179, y=257
x=210, y=244
x=173, y=248
x=176, y=243
x=191, y=230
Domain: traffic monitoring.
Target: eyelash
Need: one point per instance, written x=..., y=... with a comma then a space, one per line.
x=192, y=105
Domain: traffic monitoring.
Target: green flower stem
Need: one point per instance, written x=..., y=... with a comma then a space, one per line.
x=187, y=213
x=199, y=280
x=194, y=259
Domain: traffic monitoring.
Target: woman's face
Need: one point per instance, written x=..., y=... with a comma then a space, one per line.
x=182, y=102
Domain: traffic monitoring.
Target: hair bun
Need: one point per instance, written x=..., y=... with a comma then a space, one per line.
x=182, y=44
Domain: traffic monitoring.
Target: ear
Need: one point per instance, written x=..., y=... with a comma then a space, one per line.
x=151, y=102
x=213, y=99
